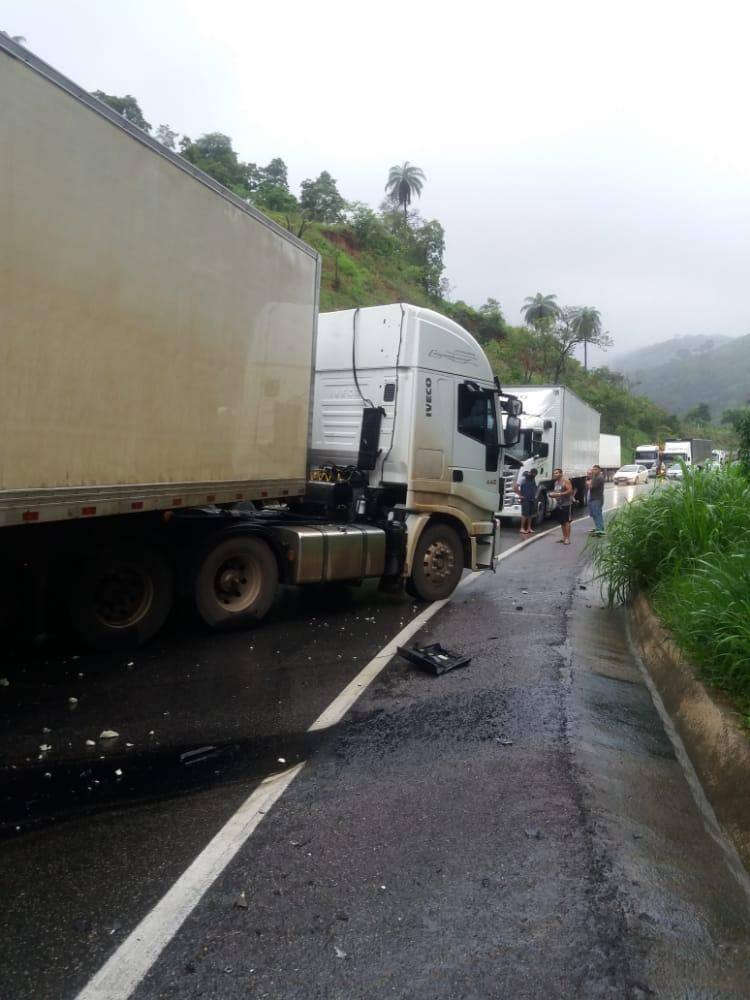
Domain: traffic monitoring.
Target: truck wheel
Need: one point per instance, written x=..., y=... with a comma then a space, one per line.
x=541, y=510
x=235, y=583
x=121, y=596
x=438, y=563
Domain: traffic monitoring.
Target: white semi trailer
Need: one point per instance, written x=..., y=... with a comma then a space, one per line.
x=558, y=430
x=610, y=454
x=163, y=373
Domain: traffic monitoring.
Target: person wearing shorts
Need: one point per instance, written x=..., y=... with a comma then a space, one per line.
x=563, y=492
x=526, y=490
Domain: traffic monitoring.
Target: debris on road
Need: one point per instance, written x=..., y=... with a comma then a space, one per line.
x=533, y=833
x=108, y=734
x=90, y=743
x=505, y=743
x=72, y=702
x=339, y=952
x=4, y=682
x=434, y=658
x=241, y=901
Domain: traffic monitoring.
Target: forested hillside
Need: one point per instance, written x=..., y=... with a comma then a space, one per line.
x=390, y=253
x=687, y=371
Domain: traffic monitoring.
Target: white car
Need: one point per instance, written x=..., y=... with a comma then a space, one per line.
x=631, y=475
x=674, y=472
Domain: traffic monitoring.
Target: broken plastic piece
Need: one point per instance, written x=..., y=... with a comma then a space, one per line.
x=433, y=658
x=108, y=734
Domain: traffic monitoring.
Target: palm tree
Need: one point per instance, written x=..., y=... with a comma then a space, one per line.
x=537, y=308
x=587, y=325
x=404, y=182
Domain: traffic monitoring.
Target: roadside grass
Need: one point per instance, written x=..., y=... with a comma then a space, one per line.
x=687, y=546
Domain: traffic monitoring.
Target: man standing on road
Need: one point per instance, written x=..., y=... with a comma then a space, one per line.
x=526, y=490
x=595, y=486
x=563, y=492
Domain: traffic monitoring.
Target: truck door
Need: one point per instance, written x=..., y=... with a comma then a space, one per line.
x=474, y=467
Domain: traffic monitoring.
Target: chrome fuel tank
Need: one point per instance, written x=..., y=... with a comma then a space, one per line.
x=321, y=553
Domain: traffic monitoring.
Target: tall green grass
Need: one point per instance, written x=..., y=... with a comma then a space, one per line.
x=687, y=545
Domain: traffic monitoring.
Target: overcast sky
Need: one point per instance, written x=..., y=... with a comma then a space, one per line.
x=599, y=151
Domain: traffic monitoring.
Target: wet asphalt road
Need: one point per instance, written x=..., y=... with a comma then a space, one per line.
x=527, y=818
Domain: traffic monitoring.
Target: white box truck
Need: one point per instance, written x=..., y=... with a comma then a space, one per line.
x=159, y=388
x=649, y=456
x=558, y=430
x=610, y=454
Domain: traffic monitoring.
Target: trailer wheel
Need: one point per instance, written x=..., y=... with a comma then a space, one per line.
x=235, y=582
x=121, y=596
x=438, y=563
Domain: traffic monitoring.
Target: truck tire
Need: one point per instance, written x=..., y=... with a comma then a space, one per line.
x=438, y=563
x=121, y=596
x=235, y=582
x=541, y=509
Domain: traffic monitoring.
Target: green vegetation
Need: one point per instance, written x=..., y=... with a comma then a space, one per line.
x=393, y=254
x=687, y=546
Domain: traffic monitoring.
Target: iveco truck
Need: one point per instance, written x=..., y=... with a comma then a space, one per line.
x=178, y=421
x=558, y=430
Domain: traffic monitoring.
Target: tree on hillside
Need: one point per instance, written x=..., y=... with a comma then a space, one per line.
x=426, y=248
x=321, y=200
x=540, y=310
x=275, y=174
x=491, y=323
x=587, y=322
x=403, y=183
x=126, y=106
x=700, y=414
x=166, y=136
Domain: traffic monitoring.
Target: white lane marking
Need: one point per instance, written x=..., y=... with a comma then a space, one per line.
x=120, y=975
x=126, y=968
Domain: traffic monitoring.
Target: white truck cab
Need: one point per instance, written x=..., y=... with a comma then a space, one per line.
x=438, y=442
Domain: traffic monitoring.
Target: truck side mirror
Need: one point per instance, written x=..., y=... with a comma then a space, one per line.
x=512, y=430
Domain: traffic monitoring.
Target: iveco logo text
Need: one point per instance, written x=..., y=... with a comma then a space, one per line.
x=428, y=397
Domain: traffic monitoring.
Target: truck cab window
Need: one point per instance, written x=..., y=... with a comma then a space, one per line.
x=476, y=414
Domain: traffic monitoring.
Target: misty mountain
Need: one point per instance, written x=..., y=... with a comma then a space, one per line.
x=632, y=363
x=682, y=372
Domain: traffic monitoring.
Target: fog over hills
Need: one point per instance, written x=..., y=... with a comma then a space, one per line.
x=684, y=371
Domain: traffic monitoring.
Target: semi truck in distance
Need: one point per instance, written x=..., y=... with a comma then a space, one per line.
x=558, y=430
x=649, y=456
x=692, y=451
x=610, y=452
x=178, y=421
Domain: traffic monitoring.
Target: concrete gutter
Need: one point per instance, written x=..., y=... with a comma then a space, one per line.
x=710, y=728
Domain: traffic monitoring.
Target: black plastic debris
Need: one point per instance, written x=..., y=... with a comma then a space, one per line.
x=433, y=658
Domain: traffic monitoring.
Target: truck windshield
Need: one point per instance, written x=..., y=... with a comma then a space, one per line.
x=672, y=457
x=523, y=448
x=648, y=454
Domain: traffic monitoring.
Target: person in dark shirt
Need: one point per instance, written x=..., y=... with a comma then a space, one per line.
x=595, y=486
x=526, y=490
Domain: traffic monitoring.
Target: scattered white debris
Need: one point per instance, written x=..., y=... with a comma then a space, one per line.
x=130, y=664
x=382, y=887
x=151, y=732
x=118, y=772
x=46, y=729
x=339, y=952
x=90, y=743
x=47, y=774
x=281, y=760
x=108, y=734
x=129, y=745
x=4, y=682
x=72, y=701
x=45, y=747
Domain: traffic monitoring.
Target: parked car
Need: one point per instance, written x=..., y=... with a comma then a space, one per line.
x=674, y=472
x=631, y=475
